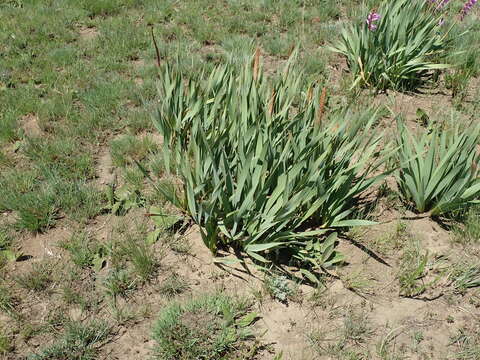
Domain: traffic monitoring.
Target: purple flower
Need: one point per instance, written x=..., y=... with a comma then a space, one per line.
x=371, y=18
x=466, y=8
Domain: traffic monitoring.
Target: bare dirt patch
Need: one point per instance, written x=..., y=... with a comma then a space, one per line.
x=44, y=246
x=105, y=170
x=88, y=33
x=138, y=63
x=30, y=125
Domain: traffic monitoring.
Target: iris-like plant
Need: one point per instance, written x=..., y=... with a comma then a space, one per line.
x=259, y=170
x=439, y=170
x=397, y=47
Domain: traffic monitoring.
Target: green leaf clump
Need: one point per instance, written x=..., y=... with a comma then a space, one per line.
x=439, y=169
x=260, y=169
x=401, y=52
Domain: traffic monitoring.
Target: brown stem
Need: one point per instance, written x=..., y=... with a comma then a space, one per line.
x=156, y=47
x=256, y=63
x=322, y=105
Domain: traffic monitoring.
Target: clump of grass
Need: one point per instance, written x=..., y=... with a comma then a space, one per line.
x=7, y=301
x=78, y=200
x=469, y=231
x=174, y=285
x=467, y=342
x=465, y=276
x=38, y=279
x=100, y=8
x=128, y=149
x=82, y=249
x=79, y=342
x=63, y=157
x=39, y=201
x=88, y=299
x=36, y=210
x=141, y=256
x=71, y=296
x=5, y=240
x=210, y=327
x=356, y=282
x=6, y=345
x=5, y=247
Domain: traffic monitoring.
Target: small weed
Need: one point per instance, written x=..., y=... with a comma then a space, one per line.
x=5, y=343
x=179, y=245
x=392, y=240
x=278, y=288
x=413, y=268
x=210, y=327
x=386, y=348
x=5, y=240
x=356, y=327
x=82, y=250
x=417, y=338
x=469, y=231
x=174, y=285
x=320, y=298
x=80, y=342
x=119, y=283
x=142, y=258
x=70, y=296
x=122, y=315
x=7, y=301
x=123, y=199
x=356, y=282
x=467, y=342
x=465, y=276
x=38, y=279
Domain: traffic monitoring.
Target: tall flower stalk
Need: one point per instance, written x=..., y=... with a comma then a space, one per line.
x=371, y=19
x=466, y=8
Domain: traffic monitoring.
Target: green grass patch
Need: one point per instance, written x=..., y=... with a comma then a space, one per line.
x=79, y=342
x=211, y=327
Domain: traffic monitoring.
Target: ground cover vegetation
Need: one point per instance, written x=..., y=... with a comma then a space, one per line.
x=239, y=179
